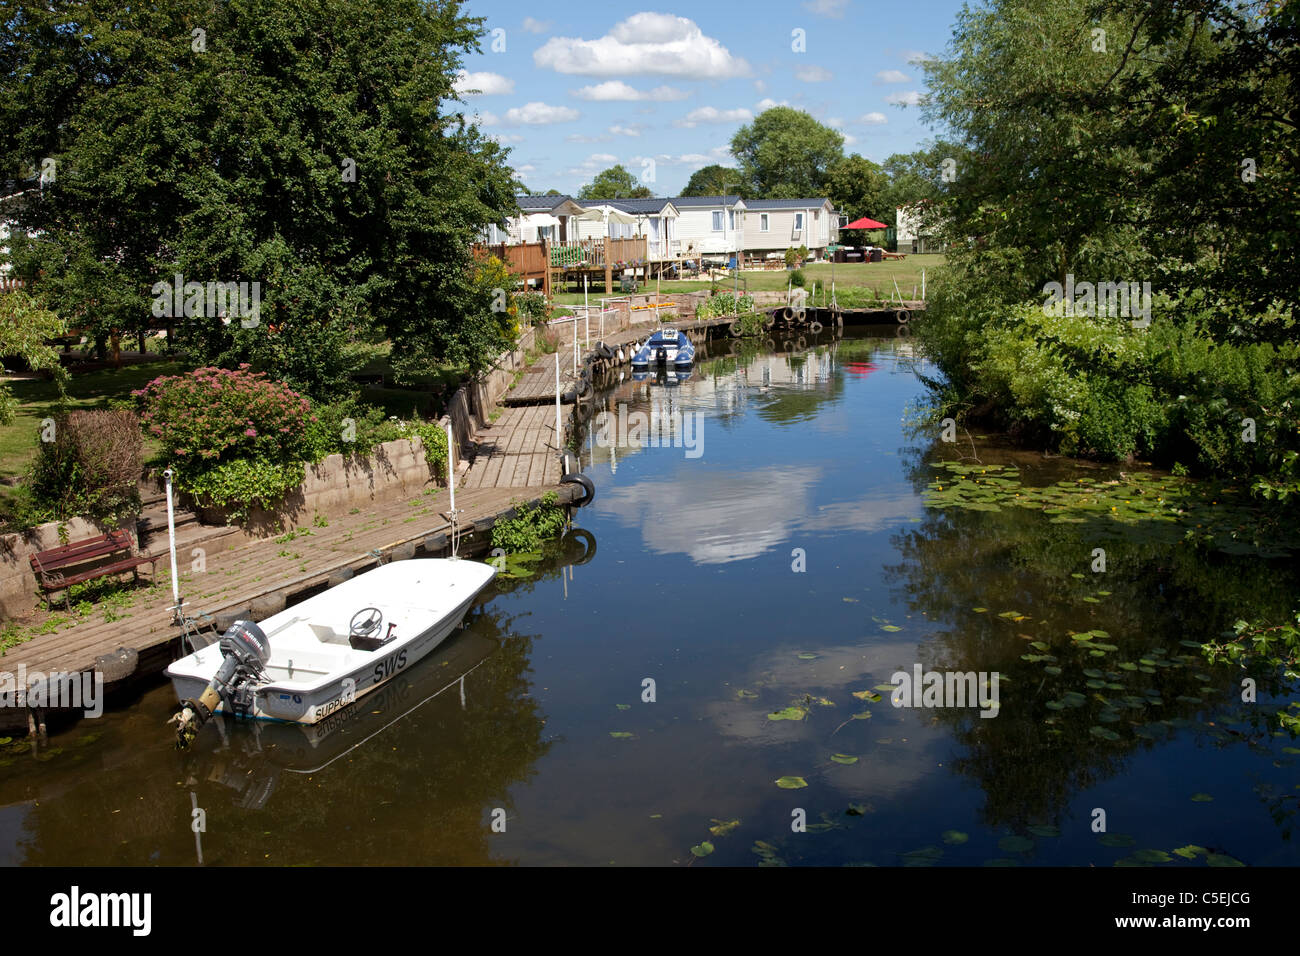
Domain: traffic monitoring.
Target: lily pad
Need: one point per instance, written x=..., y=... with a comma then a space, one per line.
x=955, y=837
x=1202, y=798
x=704, y=849
x=619, y=734
x=1222, y=859
x=723, y=827
x=844, y=758
x=791, y=783
x=788, y=713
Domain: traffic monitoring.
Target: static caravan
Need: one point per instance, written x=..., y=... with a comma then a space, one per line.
x=775, y=225
x=540, y=217
x=710, y=225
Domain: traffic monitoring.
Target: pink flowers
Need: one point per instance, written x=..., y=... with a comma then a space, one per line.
x=252, y=432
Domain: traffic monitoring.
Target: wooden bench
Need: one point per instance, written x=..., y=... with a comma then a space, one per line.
x=117, y=546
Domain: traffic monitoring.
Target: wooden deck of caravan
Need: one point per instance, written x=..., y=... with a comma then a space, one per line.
x=555, y=263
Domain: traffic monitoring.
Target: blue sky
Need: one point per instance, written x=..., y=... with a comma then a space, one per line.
x=576, y=88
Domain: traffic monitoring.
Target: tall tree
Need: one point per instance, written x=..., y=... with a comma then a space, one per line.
x=614, y=183
x=716, y=180
x=316, y=150
x=786, y=154
x=857, y=187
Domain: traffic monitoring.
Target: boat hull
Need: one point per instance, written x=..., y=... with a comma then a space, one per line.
x=292, y=702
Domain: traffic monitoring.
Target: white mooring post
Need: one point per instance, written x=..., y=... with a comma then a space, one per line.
x=171, y=540
x=559, y=441
x=922, y=285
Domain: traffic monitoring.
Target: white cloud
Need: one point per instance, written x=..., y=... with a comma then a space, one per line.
x=767, y=103
x=827, y=8
x=539, y=114
x=760, y=86
x=711, y=114
x=873, y=119
x=892, y=76
x=719, y=154
x=849, y=139
x=814, y=74
x=910, y=98
x=483, y=84
x=602, y=158
x=914, y=57
x=506, y=139
x=488, y=119
x=618, y=91
x=583, y=138
x=536, y=26
x=834, y=121
x=524, y=169
x=644, y=43
x=625, y=130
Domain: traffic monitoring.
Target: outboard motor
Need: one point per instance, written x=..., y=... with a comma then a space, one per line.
x=245, y=651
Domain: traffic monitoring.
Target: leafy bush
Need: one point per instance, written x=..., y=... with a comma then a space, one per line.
x=791, y=258
x=233, y=438
x=532, y=307
x=530, y=526
x=797, y=279
x=724, y=303
x=90, y=469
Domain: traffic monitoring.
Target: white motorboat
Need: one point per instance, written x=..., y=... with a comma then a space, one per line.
x=310, y=660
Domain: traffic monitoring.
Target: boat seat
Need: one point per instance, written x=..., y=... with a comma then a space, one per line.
x=327, y=635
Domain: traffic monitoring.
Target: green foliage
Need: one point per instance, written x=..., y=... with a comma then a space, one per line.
x=856, y=187
x=786, y=154
x=89, y=470
x=724, y=303
x=320, y=150
x=25, y=326
x=614, y=183
x=716, y=180
x=791, y=257
x=529, y=526
x=797, y=279
x=1270, y=653
x=532, y=307
x=1149, y=189
x=235, y=486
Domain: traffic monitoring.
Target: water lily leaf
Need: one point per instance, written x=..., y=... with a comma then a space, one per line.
x=1202, y=798
x=868, y=695
x=623, y=706
x=723, y=827
x=980, y=610
x=745, y=694
x=806, y=656
x=791, y=783
x=1104, y=733
x=1015, y=844
x=1152, y=856
x=857, y=809
x=704, y=849
x=1116, y=839
x=890, y=627
x=1222, y=859
x=844, y=758
x=890, y=688
x=1053, y=670
x=788, y=713
x=955, y=837
x=1191, y=851
x=619, y=734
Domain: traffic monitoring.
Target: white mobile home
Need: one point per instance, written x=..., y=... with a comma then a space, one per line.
x=655, y=219
x=540, y=217
x=915, y=233
x=775, y=225
x=710, y=225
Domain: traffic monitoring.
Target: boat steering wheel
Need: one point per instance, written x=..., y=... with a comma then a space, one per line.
x=369, y=625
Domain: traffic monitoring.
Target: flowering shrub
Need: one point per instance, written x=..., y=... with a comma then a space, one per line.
x=234, y=438
x=215, y=414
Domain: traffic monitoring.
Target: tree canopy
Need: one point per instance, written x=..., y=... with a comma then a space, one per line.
x=318, y=151
x=716, y=180
x=614, y=183
x=786, y=154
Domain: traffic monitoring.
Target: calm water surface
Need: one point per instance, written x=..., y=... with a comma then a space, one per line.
x=802, y=462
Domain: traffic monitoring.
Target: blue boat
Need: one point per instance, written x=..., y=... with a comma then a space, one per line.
x=667, y=348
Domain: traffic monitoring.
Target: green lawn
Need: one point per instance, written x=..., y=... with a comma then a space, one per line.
x=37, y=400
x=880, y=276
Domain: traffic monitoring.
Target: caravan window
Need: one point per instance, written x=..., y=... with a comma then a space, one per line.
x=762, y=222
x=717, y=221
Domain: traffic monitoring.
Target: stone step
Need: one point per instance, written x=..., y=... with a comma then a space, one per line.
x=213, y=539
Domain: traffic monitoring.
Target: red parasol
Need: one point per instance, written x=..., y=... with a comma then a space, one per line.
x=865, y=223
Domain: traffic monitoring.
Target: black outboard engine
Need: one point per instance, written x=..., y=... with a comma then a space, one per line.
x=245, y=651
